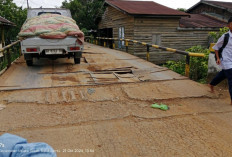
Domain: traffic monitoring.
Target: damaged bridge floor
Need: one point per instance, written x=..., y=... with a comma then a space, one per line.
x=102, y=108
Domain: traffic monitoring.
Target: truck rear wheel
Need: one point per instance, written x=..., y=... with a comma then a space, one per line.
x=29, y=62
x=77, y=60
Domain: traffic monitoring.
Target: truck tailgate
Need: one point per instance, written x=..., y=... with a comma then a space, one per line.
x=36, y=41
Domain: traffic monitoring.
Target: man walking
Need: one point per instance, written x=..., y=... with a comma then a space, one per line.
x=225, y=60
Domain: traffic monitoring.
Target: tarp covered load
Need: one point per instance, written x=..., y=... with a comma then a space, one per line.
x=51, y=26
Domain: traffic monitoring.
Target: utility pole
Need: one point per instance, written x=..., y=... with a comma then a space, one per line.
x=27, y=5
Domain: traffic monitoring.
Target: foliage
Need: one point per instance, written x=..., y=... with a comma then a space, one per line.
x=15, y=14
x=181, y=9
x=216, y=35
x=14, y=54
x=198, y=65
x=85, y=12
x=178, y=66
x=85, y=31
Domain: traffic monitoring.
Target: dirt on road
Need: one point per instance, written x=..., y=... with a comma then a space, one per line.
x=103, y=108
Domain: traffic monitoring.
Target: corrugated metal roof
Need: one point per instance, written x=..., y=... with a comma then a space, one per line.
x=201, y=21
x=4, y=21
x=144, y=8
x=226, y=5
x=223, y=5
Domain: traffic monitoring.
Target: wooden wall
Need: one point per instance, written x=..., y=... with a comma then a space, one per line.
x=210, y=9
x=162, y=31
x=114, y=18
x=170, y=36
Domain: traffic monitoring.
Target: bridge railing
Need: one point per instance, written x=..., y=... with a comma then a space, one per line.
x=148, y=46
x=6, y=54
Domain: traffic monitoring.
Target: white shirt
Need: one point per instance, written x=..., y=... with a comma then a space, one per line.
x=226, y=61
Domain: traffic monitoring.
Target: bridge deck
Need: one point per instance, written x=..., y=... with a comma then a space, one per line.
x=104, y=105
x=98, y=66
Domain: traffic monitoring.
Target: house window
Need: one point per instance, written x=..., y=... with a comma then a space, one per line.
x=156, y=39
x=121, y=35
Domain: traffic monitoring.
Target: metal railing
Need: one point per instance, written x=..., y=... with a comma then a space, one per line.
x=5, y=53
x=187, y=54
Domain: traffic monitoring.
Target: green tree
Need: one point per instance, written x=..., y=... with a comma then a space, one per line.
x=85, y=12
x=181, y=9
x=214, y=36
x=15, y=14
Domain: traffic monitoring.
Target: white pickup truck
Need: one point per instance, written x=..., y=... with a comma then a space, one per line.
x=36, y=47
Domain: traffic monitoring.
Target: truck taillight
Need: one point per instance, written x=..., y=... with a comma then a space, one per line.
x=74, y=48
x=31, y=49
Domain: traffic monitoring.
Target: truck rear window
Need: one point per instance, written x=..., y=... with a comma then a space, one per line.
x=40, y=13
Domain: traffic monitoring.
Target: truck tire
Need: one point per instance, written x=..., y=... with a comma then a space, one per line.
x=77, y=60
x=29, y=62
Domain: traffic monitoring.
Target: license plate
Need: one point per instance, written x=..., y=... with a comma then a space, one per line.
x=53, y=51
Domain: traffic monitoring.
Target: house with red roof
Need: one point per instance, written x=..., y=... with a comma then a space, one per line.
x=150, y=22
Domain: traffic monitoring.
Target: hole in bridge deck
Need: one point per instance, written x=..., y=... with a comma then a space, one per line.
x=124, y=72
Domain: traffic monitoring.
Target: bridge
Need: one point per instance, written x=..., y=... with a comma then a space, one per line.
x=102, y=107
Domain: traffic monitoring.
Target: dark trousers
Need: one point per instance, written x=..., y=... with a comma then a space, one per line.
x=221, y=76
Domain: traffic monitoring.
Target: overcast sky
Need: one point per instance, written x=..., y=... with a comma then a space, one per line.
x=53, y=3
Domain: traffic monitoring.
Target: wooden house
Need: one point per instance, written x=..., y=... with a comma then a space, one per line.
x=4, y=24
x=217, y=9
x=150, y=22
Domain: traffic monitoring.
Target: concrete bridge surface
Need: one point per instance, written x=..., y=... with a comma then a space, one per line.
x=102, y=108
